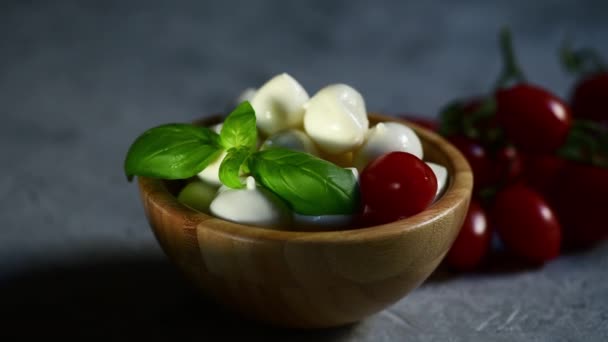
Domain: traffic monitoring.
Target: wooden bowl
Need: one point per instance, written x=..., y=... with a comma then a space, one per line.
x=312, y=279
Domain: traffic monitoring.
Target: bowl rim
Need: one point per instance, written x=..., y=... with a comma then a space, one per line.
x=458, y=191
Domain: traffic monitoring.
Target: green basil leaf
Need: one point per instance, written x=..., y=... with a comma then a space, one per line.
x=239, y=128
x=231, y=167
x=310, y=185
x=172, y=151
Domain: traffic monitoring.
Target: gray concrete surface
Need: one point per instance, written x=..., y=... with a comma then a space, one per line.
x=79, y=80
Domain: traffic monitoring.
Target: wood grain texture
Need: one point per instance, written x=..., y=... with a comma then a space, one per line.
x=312, y=279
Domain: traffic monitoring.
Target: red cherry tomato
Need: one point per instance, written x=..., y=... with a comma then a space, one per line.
x=397, y=185
x=580, y=197
x=473, y=241
x=532, y=118
x=590, y=98
x=526, y=224
x=472, y=105
x=483, y=125
x=508, y=165
x=541, y=172
x=475, y=104
x=477, y=157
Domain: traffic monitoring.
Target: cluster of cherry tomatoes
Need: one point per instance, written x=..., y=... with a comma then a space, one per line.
x=540, y=164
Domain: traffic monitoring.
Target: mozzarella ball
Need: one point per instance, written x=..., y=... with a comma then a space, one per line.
x=197, y=195
x=336, y=119
x=384, y=138
x=355, y=173
x=279, y=104
x=253, y=206
x=217, y=128
x=342, y=160
x=246, y=95
x=210, y=174
x=441, y=173
x=292, y=139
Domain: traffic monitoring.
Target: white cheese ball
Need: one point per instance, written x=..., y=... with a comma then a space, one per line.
x=355, y=173
x=246, y=95
x=293, y=139
x=384, y=138
x=336, y=119
x=217, y=128
x=197, y=195
x=441, y=173
x=279, y=104
x=253, y=206
x=211, y=174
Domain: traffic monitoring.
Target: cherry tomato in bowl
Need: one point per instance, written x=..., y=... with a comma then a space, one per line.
x=396, y=185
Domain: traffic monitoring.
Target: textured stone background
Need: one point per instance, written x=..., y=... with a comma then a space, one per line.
x=79, y=80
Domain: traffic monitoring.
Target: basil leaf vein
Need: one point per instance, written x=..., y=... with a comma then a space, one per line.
x=239, y=128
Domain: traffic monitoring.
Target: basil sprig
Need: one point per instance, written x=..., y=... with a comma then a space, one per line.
x=180, y=151
x=239, y=136
x=309, y=185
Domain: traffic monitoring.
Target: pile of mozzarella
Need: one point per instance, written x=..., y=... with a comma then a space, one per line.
x=332, y=124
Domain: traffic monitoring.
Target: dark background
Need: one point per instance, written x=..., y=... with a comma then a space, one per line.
x=79, y=80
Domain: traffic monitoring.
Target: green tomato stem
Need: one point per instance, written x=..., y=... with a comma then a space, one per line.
x=486, y=110
x=587, y=142
x=581, y=62
x=511, y=71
